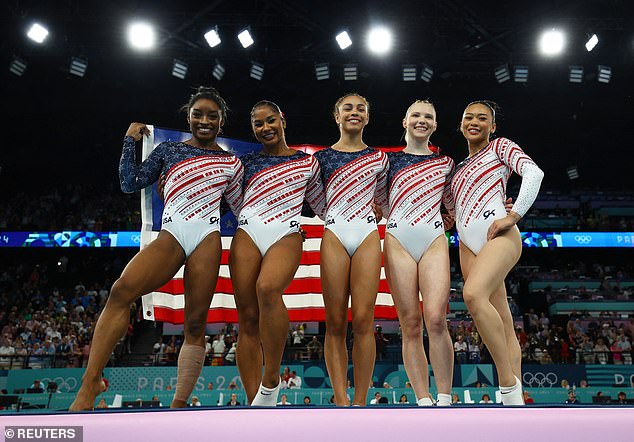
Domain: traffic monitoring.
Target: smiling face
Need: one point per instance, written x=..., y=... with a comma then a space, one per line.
x=268, y=126
x=352, y=113
x=420, y=121
x=477, y=124
x=205, y=120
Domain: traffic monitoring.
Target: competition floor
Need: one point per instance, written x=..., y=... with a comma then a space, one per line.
x=472, y=423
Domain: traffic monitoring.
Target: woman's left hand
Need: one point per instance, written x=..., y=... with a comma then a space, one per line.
x=378, y=213
x=500, y=226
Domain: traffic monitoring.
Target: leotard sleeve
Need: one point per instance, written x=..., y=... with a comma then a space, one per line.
x=135, y=177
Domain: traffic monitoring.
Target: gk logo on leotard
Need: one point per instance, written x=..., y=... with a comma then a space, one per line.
x=437, y=224
x=167, y=220
x=214, y=220
x=294, y=224
x=243, y=222
x=330, y=222
x=371, y=219
x=488, y=213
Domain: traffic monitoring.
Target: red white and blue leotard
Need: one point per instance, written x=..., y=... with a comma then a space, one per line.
x=478, y=186
x=353, y=181
x=274, y=190
x=418, y=185
x=195, y=181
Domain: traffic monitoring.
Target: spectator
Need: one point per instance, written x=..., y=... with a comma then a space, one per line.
x=294, y=381
x=315, y=349
x=460, y=350
x=234, y=401
x=307, y=400
x=230, y=357
x=621, y=398
x=195, y=402
x=403, y=400
x=486, y=399
x=572, y=398
x=375, y=400
x=527, y=398
x=283, y=400
x=455, y=399
x=210, y=386
x=102, y=404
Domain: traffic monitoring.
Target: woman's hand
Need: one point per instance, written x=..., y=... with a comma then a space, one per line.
x=378, y=213
x=137, y=130
x=448, y=221
x=500, y=226
x=160, y=186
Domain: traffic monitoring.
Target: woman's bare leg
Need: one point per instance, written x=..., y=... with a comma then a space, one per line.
x=200, y=278
x=402, y=276
x=486, y=272
x=365, y=272
x=151, y=268
x=335, y=282
x=434, y=277
x=278, y=269
x=244, y=261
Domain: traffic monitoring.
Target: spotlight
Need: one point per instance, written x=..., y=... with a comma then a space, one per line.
x=218, y=71
x=343, y=39
x=37, y=33
x=573, y=172
x=409, y=72
x=502, y=73
x=520, y=74
x=322, y=71
x=179, y=69
x=78, y=67
x=592, y=42
x=605, y=74
x=349, y=72
x=213, y=37
x=552, y=42
x=426, y=72
x=141, y=36
x=379, y=41
x=245, y=38
x=257, y=70
x=575, y=74
x=17, y=66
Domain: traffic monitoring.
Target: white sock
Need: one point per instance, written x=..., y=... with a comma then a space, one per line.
x=444, y=400
x=424, y=402
x=266, y=397
x=512, y=395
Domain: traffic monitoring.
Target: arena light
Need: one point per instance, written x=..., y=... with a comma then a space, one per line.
x=17, y=66
x=343, y=40
x=349, y=72
x=410, y=72
x=592, y=42
x=575, y=74
x=179, y=69
x=322, y=71
x=502, y=73
x=426, y=73
x=572, y=172
x=245, y=38
x=520, y=74
x=257, y=70
x=552, y=42
x=78, y=67
x=218, y=71
x=37, y=33
x=213, y=37
x=380, y=41
x=604, y=74
x=141, y=36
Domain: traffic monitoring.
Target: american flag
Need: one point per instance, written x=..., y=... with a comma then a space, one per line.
x=303, y=298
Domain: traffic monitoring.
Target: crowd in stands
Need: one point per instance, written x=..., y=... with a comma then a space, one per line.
x=44, y=325
x=78, y=207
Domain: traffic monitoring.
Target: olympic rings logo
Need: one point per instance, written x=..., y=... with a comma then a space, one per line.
x=583, y=239
x=63, y=384
x=135, y=238
x=540, y=379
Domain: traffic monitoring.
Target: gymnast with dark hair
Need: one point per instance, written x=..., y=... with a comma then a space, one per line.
x=198, y=174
